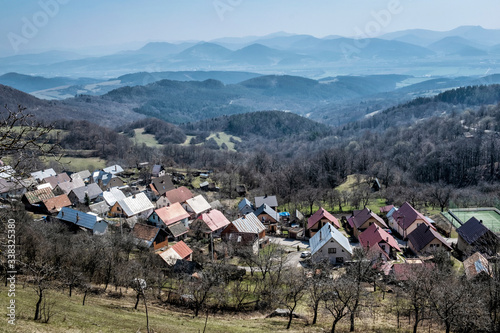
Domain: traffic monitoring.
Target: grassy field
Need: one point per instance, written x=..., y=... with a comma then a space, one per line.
x=81, y=163
x=219, y=137
x=143, y=138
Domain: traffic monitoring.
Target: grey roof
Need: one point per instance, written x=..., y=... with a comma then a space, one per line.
x=324, y=235
x=112, y=195
x=177, y=229
x=93, y=191
x=39, y=175
x=81, y=219
x=198, y=204
x=270, y=200
x=66, y=187
x=249, y=224
x=100, y=207
x=267, y=210
x=163, y=184
x=156, y=169
x=114, y=169
x=472, y=230
x=135, y=204
x=244, y=203
x=100, y=227
x=84, y=174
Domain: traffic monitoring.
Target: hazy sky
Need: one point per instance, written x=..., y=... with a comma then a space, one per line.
x=28, y=26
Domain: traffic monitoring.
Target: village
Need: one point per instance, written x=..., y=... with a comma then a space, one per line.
x=163, y=216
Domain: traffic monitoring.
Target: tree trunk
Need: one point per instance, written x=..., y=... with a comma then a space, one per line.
x=315, y=313
x=70, y=289
x=84, y=297
x=352, y=322
x=37, y=309
x=334, y=324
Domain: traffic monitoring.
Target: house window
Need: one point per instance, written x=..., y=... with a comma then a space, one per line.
x=382, y=247
x=339, y=260
x=332, y=250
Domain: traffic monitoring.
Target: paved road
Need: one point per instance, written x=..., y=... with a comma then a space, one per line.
x=290, y=242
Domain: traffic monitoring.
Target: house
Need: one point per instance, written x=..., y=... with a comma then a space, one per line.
x=266, y=214
x=106, y=180
x=247, y=231
x=33, y=199
x=54, y=205
x=424, y=239
x=411, y=269
x=213, y=222
x=66, y=187
x=80, y=220
x=386, y=209
x=137, y=204
x=114, y=169
x=161, y=185
x=100, y=208
x=269, y=200
x=157, y=171
x=14, y=188
x=197, y=205
x=148, y=235
x=180, y=195
x=83, y=175
x=376, y=239
x=112, y=195
x=173, y=218
x=39, y=175
x=474, y=236
x=79, y=194
x=376, y=185
x=320, y=219
x=245, y=207
x=476, y=265
x=362, y=219
x=329, y=244
x=54, y=180
x=406, y=219
x=178, y=251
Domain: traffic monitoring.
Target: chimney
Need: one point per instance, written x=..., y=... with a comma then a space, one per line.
x=320, y=235
x=368, y=244
x=77, y=217
x=481, y=221
x=168, y=204
x=387, y=239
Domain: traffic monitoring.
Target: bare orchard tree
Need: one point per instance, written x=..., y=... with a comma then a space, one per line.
x=294, y=289
x=338, y=298
x=317, y=282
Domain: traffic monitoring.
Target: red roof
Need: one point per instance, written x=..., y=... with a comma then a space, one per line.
x=182, y=249
x=320, y=214
x=406, y=215
x=215, y=220
x=386, y=209
x=171, y=214
x=180, y=194
x=374, y=235
x=361, y=216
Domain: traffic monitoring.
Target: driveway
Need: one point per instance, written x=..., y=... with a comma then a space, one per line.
x=288, y=242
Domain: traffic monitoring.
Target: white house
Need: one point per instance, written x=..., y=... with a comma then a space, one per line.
x=331, y=245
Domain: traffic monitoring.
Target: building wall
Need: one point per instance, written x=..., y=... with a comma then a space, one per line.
x=326, y=253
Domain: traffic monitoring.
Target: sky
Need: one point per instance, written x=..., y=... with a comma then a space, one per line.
x=105, y=26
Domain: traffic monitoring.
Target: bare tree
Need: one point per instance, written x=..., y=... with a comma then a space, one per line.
x=294, y=288
x=338, y=298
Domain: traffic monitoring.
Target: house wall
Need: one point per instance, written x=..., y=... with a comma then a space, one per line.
x=320, y=224
x=462, y=245
x=365, y=225
x=162, y=202
x=429, y=247
x=154, y=219
x=267, y=218
x=324, y=253
x=116, y=211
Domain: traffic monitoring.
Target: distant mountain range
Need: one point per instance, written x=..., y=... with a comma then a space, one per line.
x=465, y=50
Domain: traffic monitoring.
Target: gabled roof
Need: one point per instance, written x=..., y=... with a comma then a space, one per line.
x=389, y=214
x=171, y=214
x=374, y=235
x=269, y=200
x=112, y=195
x=37, y=196
x=321, y=213
x=100, y=207
x=84, y=174
x=249, y=224
x=7, y=185
x=267, y=210
x=180, y=194
x=57, y=179
x=163, y=184
x=156, y=169
x=176, y=252
x=177, y=229
x=475, y=265
x=245, y=203
x=361, y=216
x=406, y=215
x=324, y=235
x=135, y=204
x=66, y=187
x=386, y=209
x=215, y=220
x=114, y=169
x=472, y=230
x=81, y=219
x=146, y=233
x=39, y=175
x=198, y=204
x=55, y=204
x=93, y=190
x=423, y=235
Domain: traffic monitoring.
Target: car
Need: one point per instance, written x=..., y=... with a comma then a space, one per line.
x=305, y=254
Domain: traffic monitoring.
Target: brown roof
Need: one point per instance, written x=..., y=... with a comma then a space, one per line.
x=57, y=179
x=361, y=216
x=145, y=232
x=55, y=204
x=162, y=184
x=322, y=213
x=171, y=214
x=180, y=194
x=423, y=235
x=37, y=196
x=182, y=249
x=406, y=215
x=475, y=265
